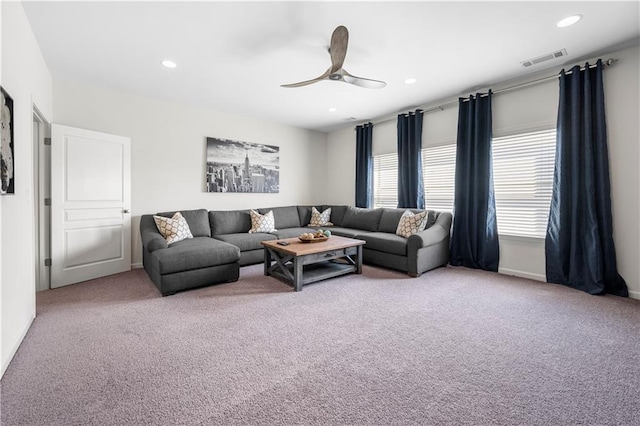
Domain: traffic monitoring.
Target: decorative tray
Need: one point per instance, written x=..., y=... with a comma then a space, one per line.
x=315, y=240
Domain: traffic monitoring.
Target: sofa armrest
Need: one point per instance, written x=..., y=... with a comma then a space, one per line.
x=153, y=242
x=435, y=234
x=152, y=239
x=429, y=249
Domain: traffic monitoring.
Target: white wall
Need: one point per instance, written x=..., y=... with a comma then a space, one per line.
x=532, y=107
x=26, y=78
x=341, y=164
x=622, y=97
x=168, y=143
x=2, y=363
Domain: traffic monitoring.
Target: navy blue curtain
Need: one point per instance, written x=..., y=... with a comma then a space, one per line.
x=579, y=247
x=474, y=239
x=364, y=166
x=410, y=186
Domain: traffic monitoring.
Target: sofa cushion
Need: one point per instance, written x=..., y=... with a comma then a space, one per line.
x=196, y=219
x=262, y=222
x=229, y=222
x=194, y=253
x=285, y=217
x=292, y=232
x=304, y=212
x=433, y=217
x=385, y=242
x=359, y=218
x=173, y=229
x=389, y=220
x=347, y=232
x=246, y=242
x=337, y=214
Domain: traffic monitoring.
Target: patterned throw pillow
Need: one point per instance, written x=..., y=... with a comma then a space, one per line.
x=411, y=223
x=173, y=229
x=262, y=222
x=320, y=219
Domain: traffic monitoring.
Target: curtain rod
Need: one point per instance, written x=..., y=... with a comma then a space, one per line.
x=446, y=105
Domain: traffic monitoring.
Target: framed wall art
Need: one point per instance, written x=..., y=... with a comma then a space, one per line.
x=235, y=166
x=7, y=172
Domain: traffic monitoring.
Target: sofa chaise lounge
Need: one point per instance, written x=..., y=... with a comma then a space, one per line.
x=222, y=243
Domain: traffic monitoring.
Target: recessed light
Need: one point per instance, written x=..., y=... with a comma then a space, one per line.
x=410, y=80
x=332, y=109
x=169, y=64
x=569, y=20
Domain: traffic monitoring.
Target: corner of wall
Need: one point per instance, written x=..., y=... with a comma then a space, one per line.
x=26, y=77
x=2, y=366
x=341, y=170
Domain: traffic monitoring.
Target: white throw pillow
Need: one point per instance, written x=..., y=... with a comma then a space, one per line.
x=411, y=223
x=320, y=219
x=173, y=229
x=262, y=222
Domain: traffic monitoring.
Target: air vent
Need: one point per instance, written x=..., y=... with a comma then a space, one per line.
x=535, y=61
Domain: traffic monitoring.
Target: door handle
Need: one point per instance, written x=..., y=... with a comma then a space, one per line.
x=125, y=211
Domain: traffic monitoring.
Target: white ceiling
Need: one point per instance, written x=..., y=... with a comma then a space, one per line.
x=233, y=56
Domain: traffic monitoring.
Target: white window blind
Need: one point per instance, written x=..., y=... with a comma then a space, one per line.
x=522, y=175
x=523, y=178
x=438, y=174
x=385, y=180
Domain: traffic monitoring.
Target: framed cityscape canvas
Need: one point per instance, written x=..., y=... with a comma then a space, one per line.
x=235, y=166
x=7, y=162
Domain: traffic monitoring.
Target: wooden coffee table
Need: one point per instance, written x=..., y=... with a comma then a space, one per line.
x=302, y=263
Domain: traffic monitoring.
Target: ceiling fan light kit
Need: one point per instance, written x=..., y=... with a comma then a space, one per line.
x=338, y=51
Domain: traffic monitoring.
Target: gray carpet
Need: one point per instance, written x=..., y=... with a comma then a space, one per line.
x=455, y=346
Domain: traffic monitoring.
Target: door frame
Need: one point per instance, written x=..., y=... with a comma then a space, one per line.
x=41, y=189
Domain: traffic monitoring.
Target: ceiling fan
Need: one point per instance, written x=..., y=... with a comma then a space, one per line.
x=338, y=51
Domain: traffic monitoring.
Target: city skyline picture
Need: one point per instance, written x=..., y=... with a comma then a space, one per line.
x=236, y=166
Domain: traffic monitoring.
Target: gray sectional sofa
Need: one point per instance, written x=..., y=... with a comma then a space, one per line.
x=222, y=243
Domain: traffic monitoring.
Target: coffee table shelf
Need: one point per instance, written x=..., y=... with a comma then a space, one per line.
x=317, y=271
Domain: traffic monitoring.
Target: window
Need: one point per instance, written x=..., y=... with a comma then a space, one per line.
x=438, y=174
x=523, y=178
x=385, y=180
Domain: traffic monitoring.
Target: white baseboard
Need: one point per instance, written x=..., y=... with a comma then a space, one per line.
x=539, y=277
x=5, y=365
x=137, y=265
x=522, y=274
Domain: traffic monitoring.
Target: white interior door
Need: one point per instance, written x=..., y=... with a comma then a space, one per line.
x=90, y=203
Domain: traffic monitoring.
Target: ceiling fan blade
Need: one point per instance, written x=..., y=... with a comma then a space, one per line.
x=362, y=82
x=338, y=47
x=338, y=51
x=305, y=83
